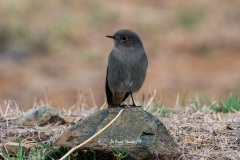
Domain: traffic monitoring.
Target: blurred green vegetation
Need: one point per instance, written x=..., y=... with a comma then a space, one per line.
x=230, y=103
x=37, y=27
x=192, y=17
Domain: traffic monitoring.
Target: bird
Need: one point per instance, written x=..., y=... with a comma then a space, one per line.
x=126, y=69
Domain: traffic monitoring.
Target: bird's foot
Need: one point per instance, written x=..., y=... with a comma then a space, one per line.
x=119, y=106
x=134, y=105
x=123, y=106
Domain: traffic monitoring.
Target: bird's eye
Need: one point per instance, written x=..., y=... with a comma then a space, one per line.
x=124, y=38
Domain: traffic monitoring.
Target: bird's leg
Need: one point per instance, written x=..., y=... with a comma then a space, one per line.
x=115, y=98
x=116, y=104
x=133, y=105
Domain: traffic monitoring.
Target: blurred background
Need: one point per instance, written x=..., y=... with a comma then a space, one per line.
x=57, y=51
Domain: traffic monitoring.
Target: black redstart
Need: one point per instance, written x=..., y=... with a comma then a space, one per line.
x=127, y=66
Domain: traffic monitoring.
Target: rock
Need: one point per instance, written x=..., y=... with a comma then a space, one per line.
x=136, y=131
x=39, y=116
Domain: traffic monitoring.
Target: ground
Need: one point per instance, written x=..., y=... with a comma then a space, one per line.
x=200, y=134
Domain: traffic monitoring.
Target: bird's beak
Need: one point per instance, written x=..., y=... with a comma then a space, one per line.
x=113, y=37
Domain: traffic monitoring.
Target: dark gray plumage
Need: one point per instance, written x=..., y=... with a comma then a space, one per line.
x=127, y=66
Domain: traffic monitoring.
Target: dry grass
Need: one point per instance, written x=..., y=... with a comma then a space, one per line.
x=206, y=135
x=201, y=134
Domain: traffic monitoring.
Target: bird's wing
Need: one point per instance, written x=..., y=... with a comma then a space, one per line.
x=109, y=94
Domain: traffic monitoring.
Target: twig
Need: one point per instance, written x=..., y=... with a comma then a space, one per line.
x=80, y=145
x=150, y=100
x=93, y=99
x=104, y=104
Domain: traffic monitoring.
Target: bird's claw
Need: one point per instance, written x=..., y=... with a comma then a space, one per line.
x=134, y=105
x=119, y=106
